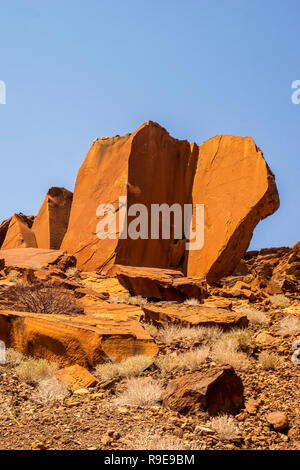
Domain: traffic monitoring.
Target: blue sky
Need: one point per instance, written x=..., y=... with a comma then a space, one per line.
x=78, y=70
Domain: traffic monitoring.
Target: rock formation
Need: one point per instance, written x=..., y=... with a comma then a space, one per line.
x=227, y=174
x=51, y=223
x=18, y=233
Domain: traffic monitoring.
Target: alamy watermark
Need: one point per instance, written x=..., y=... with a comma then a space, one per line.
x=188, y=222
x=296, y=94
x=2, y=92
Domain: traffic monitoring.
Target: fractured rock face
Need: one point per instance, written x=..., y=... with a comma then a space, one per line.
x=51, y=223
x=227, y=174
x=220, y=390
x=83, y=340
x=19, y=233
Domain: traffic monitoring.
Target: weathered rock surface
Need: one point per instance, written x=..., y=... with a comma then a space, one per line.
x=36, y=256
x=278, y=419
x=76, y=377
x=227, y=174
x=158, y=283
x=51, y=223
x=220, y=390
x=19, y=233
x=188, y=315
x=83, y=340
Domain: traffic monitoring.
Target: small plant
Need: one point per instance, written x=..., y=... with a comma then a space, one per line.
x=72, y=272
x=118, y=299
x=129, y=367
x=50, y=391
x=137, y=300
x=257, y=317
x=241, y=337
x=225, y=427
x=289, y=326
x=150, y=328
x=280, y=300
x=43, y=298
x=13, y=275
x=34, y=370
x=192, y=302
x=169, y=333
x=269, y=360
x=225, y=351
x=13, y=357
x=140, y=392
x=150, y=440
x=189, y=360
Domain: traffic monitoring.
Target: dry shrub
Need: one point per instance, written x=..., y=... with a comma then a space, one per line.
x=34, y=370
x=43, y=298
x=137, y=300
x=150, y=328
x=35, y=266
x=127, y=368
x=50, y=390
x=140, y=392
x=257, y=317
x=189, y=360
x=118, y=299
x=241, y=339
x=13, y=275
x=72, y=272
x=192, y=302
x=169, y=333
x=151, y=440
x=269, y=360
x=13, y=357
x=225, y=351
x=289, y=326
x=280, y=300
x=225, y=427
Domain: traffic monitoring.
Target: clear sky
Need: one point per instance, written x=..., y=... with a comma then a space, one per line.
x=78, y=70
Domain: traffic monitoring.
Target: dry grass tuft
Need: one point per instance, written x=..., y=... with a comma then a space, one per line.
x=140, y=392
x=137, y=300
x=51, y=390
x=269, y=360
x=150, y=328
x=280, y=300
x=289, y=326
x=34, y=370
x=43, y=298
x=192, y=302
x=72, y=272
x=13, y=275
x=170, y=333
x=225, y=427
x=13, y=357
x=130, y=367
x=241, y=339
x=225, y=351
x=257, y=317
x=189, y=360
x=151, y=440
x=118, y=299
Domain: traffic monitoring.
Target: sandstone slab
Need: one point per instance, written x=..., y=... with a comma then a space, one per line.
x=157, y=283
x=83, y=340
x=19, y=233
x=37, y=257
x=220, y=390
x=188, y=316
x=76, y=377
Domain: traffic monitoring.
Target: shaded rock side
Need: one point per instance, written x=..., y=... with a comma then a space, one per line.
x=51, y=223
x=219, y=390
x=227, y=174
x=19, y=233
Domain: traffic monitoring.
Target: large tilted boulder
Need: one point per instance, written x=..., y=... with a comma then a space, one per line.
x=220, y=390
x=19, y=233
x=227, y=174
x=51, y=223
x=86, y=340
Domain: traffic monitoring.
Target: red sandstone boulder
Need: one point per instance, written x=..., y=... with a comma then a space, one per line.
x=51, y=223
x=76, y=377
x=227, y=174
x=37, y=258
x=220, y=390
x=157, y=283
x=19, y=233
